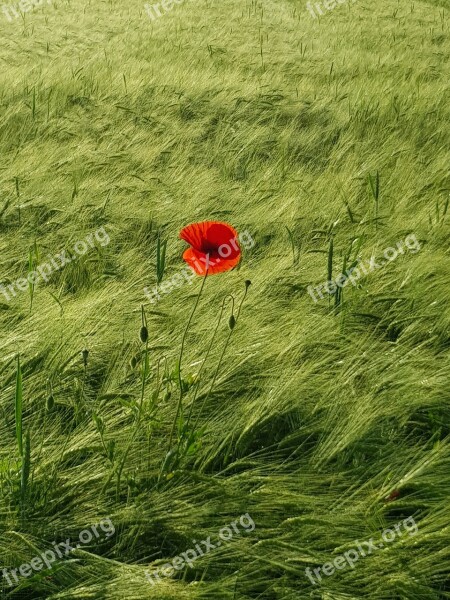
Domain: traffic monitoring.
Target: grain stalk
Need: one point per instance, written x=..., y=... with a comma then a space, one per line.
x=374, y=184
x=160, y=259
x=18, y=406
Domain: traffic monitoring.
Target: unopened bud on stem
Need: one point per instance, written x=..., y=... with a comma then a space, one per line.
x=85, y=354
x=144, y=334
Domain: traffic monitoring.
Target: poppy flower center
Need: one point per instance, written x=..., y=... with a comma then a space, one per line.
x=208, y=247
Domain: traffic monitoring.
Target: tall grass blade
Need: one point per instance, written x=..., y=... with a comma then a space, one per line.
x=160, y=258
x=330, y=260
x=18, y=407
x=31, y=264
x=374, y=182
x=295, y=251
x=26, y=462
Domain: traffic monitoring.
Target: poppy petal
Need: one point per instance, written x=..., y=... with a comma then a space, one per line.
x=208, y=236
x=195, y=233
x=214, y=247
x=221, y=234
x=201, y=262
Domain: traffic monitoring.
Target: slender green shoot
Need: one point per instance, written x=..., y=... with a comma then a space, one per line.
x=180, y=382
x=374, y=184
x=330, y=260
x=25, y=471
x=295, y=249
x=18, y=406
x=160, y=258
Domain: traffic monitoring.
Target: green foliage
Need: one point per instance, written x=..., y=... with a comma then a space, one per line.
x=25, y=467
x=324, y=136
x=18, y=403
x=161, y=248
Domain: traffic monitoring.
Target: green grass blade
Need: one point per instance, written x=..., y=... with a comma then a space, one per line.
x=30, y=283
x=160, y=258
x=25, y=467
x=18, y=406
x=330, y=260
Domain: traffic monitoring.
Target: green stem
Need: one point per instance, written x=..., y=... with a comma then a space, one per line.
x=206, y=357
x=219, y=363
x=122, y=462
x=139, y=415
x=144, y=377
x=180, y=382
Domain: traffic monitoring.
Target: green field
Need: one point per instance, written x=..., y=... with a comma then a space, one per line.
x=326, y=423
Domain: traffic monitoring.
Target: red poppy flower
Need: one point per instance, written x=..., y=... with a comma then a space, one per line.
x=214, y=247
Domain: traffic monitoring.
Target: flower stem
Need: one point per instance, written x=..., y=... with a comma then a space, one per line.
x=206, y=357
x=180, y=381
x=219, y=363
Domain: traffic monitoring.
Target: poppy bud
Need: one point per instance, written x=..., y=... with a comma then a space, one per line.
x=50, y=403
x=144, y=334
x=85, y=354
x=133, y=362
x=232, y=322
x=248, y=283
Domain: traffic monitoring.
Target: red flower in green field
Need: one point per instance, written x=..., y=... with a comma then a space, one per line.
x=214, y=247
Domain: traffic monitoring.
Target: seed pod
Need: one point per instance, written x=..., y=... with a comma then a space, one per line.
x=50, y=403
x=133, y=362
x=232, y=322
x=248, y=283
x=144, y=334
x=85, y=354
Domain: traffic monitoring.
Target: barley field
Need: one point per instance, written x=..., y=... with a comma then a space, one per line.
x=276, y=431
